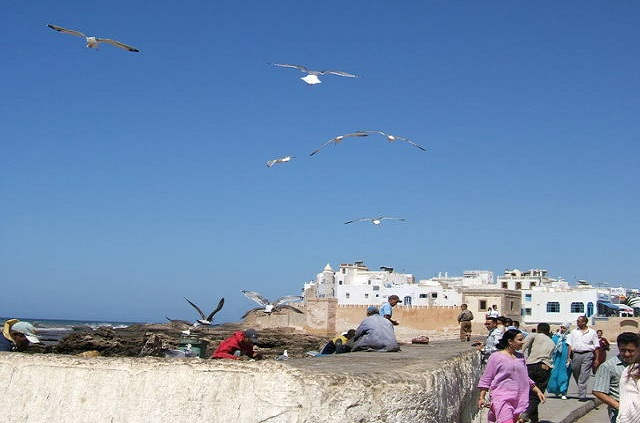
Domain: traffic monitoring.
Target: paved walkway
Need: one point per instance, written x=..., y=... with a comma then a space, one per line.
x=599, y=415
x=556, y=410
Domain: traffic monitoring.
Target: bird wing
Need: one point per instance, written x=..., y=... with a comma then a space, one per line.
x=402, y=219
x=289, y=307
x=117, y=44
x=271, y=162
x=299, y=67
x=196, y=307
x=374, y=132
x=288, y=299
x=339, y=73
x=251, y=311
x=256, y=297
x=217, y=309
x=407, y=140
x=352, y=134
x=66, y=31
x=362, y=219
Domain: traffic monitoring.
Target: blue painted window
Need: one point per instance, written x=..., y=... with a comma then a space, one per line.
x=527, y=297
x=553, y=307
x=577, y=307
x=589, y=309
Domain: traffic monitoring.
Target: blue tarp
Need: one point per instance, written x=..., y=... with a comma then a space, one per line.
x=609, y=305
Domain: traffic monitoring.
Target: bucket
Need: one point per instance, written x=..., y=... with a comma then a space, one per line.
x=197, y=346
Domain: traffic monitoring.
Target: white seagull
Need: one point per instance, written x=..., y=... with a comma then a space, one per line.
x=280, y=160
x=268, y=306
x=312, y=75
x=93, y=42
x=339, y=139
x=394, y=138
x=208, y=319
x=376, y=220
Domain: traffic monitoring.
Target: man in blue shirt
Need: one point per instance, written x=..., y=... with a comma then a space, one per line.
x=17, y=335
x=386, y=310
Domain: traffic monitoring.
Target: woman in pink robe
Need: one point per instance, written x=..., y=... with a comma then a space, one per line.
x=507, y=379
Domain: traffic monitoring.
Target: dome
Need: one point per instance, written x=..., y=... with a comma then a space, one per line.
x=328, y=268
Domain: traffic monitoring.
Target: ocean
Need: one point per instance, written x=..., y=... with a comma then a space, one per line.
x=50, y=331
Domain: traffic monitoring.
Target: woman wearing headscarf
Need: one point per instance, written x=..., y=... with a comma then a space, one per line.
x=561, y=373
x=629, y=411
x=506, y=378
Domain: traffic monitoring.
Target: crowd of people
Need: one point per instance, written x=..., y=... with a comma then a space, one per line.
x=520, y=367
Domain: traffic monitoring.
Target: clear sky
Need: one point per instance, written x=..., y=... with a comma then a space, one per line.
x=128, y=181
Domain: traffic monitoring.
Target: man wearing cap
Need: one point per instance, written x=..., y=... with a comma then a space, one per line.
x=239, y=344
x=386, y=310
x=17, y=335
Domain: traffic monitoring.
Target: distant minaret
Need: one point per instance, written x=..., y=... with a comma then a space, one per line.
x=326, y=282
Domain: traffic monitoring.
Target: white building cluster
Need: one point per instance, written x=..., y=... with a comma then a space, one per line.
x=544, y=299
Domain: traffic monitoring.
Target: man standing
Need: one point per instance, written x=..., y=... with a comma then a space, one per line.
x=538, y=348
x=493, y=312
x=607, y=383
x=386, y=310
x=17, y=335
x=464, y=318
x=582, y=342
x=495, y=334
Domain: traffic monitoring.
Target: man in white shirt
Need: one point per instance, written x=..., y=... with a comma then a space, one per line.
x=582, y=343
x=493, y=312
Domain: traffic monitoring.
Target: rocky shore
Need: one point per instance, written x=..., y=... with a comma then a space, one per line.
x=155, y=339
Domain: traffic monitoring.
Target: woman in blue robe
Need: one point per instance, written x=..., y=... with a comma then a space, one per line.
x=559, y=380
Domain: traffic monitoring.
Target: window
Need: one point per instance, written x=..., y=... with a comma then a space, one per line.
x=553, y=307
x=376, y=287
x=511, y=306
x=533, y=284
x=339, y=282
x=434, y=295
x=518, y=285
x=369, y=282
x=527, y=297
x=527, y=312
x=366, y=295
x=424, y=295
x=589, y=309
x=577, y=307
x=504, y=285
x=407, y=300
x=347, y=295
x=377, y=295
x=483, y=305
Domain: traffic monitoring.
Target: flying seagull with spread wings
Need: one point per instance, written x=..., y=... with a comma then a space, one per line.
x=208, y=319
x=394, y=138
x=339, y=139
x=280, y=160
x=312, y=75
x=376, y=220
x=268, y=306
x=93, y=42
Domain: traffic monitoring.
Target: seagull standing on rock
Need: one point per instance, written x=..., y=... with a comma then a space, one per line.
x=394, y=138
x=312, y=75
x=376, y=220
x=268, y=306
x=280, y=160
x=339, y=139
x=93, y=42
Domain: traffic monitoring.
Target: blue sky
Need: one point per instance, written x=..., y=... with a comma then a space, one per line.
x=128, y=181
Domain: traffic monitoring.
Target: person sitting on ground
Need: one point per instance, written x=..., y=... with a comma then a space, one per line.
x=339, y=344
x=238, y=345
x=375, y=333
x=386, y=310
x=17, y=335
x=606, y=386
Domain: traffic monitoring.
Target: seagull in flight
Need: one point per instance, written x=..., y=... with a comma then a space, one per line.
x=93, y=42
x=312, y=75
x=206, y=321
x=376, y=220
x=268, y=306
x=280, y=160
x=394, y=138
x=339, y=139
